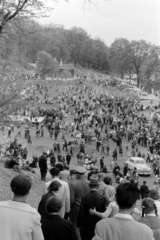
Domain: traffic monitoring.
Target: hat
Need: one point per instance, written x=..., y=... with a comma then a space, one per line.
x=93, y=181
x=80, y=170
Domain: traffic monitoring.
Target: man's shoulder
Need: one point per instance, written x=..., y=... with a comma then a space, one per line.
x=19, y=206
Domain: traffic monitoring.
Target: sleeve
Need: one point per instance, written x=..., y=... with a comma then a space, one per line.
x=98, y=231
x=108, y=211
x=72, y=193
x=37, y=231
x=81, y=213
x=41, y=206
x=67, y=202
x=73, y=233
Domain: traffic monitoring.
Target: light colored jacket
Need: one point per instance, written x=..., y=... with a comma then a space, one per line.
x=122, y=227
x=19, y=221
x=152, y=222
x=63, y=194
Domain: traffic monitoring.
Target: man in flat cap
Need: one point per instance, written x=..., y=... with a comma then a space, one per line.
x=78, y=189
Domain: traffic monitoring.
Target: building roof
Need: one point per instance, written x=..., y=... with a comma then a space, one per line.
x=32, y=65
x=67, y=66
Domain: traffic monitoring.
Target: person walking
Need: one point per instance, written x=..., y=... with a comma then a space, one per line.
x=78, y=189
x=122, y=226
x=93, y=200
x=63, y=192
x=18, y=219
x=43, y=166
x=54, y=226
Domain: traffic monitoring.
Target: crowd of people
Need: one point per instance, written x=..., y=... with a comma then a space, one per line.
x=80, y=202
x=79, y=208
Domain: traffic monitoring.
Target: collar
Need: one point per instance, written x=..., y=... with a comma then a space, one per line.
x=151, y=215
x=123, y=216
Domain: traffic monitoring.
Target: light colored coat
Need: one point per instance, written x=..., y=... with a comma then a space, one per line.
x=122, y=227
x=19, y=221
x=63, y=194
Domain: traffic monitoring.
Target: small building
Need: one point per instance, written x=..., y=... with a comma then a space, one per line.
x=65, y=70
x=68, y=67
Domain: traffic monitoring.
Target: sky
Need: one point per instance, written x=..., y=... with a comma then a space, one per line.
x=110, y=19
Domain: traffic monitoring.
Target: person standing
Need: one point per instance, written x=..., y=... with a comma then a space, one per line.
x=63, y=192
x=122, y=226
x=18, y=219
x=68, y=158
x=78, y=189
x=43, y=166
x=94, y=200
x=144, y=190
x=54, y=226
x=150, y=217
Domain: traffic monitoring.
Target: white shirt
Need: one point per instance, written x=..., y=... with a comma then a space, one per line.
x=63, y=194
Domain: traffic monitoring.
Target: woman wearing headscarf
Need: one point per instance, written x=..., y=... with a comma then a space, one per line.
x=150, y=217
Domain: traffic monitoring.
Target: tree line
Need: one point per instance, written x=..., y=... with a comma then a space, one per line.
x=24, y=38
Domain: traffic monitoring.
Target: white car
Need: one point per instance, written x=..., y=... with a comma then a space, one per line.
x=140, y=165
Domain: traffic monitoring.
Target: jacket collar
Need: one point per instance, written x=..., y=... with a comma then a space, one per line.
x=18, y=205
x=122, y=216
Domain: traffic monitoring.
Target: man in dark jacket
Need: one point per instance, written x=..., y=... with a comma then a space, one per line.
x=93, y=200
x=43, y=166
x=55, y=227
x=78, y=189
x=144, y=190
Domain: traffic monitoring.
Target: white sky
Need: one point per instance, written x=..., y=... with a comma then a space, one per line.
x=110, y=19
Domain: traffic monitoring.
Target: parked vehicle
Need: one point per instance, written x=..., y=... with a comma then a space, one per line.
x=140, y=165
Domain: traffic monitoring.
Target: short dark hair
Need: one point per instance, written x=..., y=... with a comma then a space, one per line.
x=60, y=166
x=53, y=204
x=54, y=171
x=107, y=180
x=20, y=185
x=126, y=195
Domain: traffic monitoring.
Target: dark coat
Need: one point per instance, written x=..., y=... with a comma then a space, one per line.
x=86, y=221
x=54, y=227
x=42, y=204
x=43, y=163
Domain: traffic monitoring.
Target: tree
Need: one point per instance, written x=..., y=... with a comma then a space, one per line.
x=46, y=64
x=14, y=9
x=119, y=56
x=138, y=53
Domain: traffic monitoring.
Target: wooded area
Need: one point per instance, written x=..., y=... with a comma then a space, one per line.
x=22, y=38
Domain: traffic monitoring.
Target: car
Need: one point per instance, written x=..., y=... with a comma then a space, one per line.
x=140, y=165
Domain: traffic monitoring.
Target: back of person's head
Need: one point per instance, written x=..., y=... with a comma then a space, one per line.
x=60, y=166
x=107, y=180
x=148, y=206
x=126, y=195
x=21, y=185
x=144, y=182
x=53, y=204
x=54, y=171
x=153, y=193
x=54, y=186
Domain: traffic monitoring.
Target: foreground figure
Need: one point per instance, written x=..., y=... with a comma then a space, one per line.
x=18, y=220
x=122, y=226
